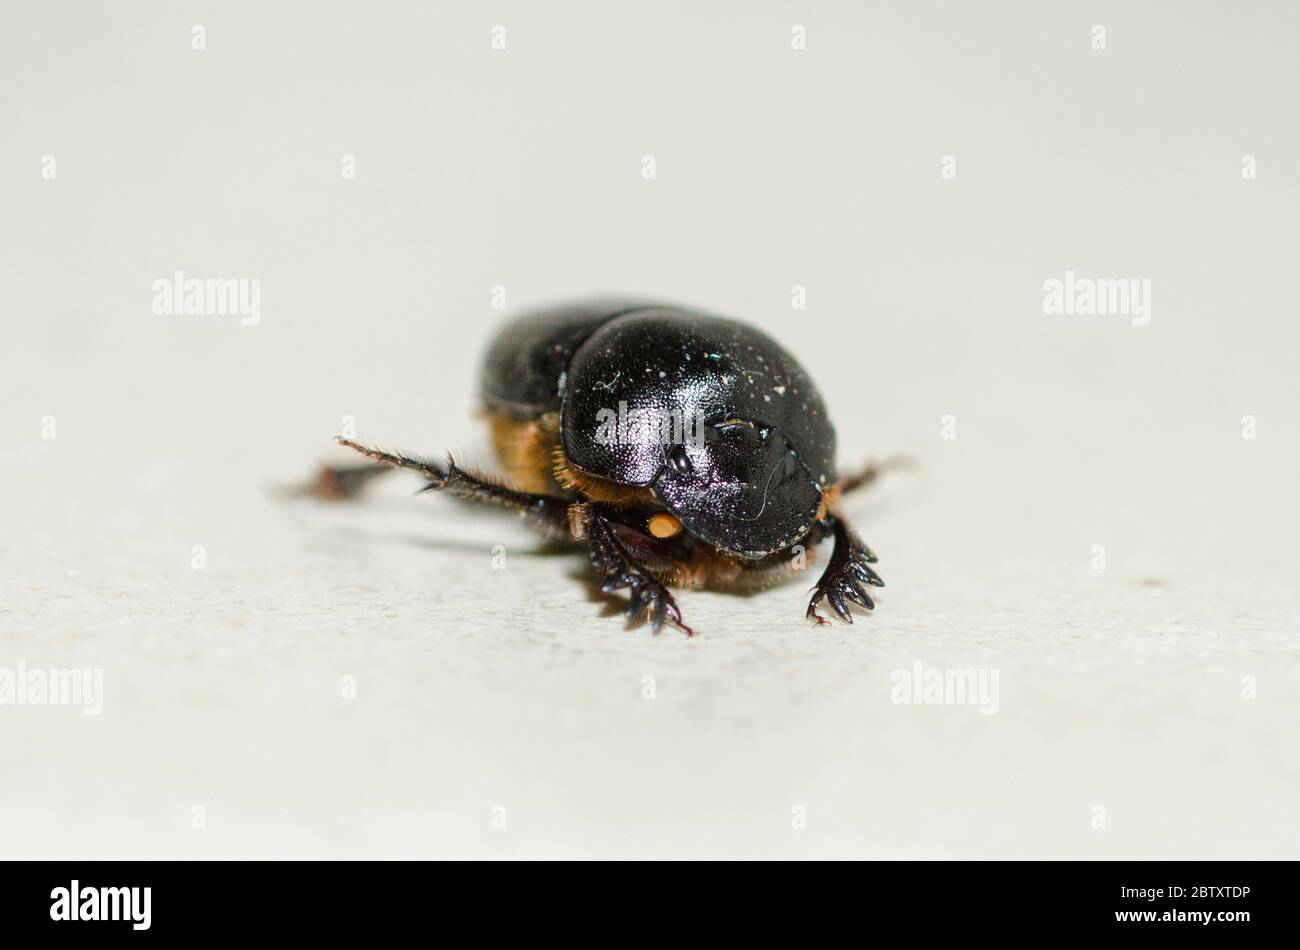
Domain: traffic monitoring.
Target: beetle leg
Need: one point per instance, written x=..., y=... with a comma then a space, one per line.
x=868, y=474
x=546, y=513
x=849, y=568
x=610, y=556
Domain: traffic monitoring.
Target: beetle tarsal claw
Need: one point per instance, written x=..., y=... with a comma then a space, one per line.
x=849, y=569
x=647, y=595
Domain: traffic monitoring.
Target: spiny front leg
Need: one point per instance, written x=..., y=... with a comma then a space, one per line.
x=545, y=513
x=609, y=556
x=848, y=570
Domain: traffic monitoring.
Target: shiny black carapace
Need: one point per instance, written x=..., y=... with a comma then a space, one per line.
x=681, y=448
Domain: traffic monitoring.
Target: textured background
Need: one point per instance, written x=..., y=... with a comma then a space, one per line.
x=483, y=693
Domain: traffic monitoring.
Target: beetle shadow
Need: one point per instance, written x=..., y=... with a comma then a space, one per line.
x=611, y=603
x=540, y=548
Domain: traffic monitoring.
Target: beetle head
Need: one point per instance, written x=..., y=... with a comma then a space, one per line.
x=742, y=488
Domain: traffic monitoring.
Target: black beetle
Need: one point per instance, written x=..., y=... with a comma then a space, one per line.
x=684, y=448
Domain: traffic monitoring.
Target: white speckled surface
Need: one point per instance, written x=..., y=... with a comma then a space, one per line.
x=522, y=689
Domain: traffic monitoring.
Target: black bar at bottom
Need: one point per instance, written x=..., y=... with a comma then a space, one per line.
x=544, y=900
